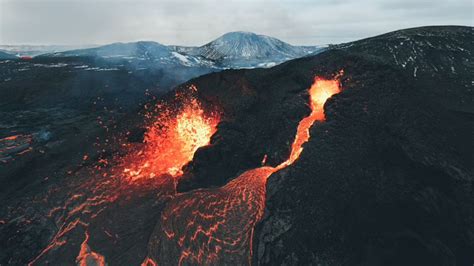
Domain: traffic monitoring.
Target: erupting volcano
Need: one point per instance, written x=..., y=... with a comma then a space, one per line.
x=215, y=226
x=172, y=138
x=177, y=128
x=206, y=226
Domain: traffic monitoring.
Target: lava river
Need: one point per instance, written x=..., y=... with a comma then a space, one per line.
x=215, y=226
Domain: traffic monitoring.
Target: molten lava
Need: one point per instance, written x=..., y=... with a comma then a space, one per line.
x=215, y=226
x=207, y=226
x=87, y=256
x=320, y=91
x=176, y=129
x=172, y=139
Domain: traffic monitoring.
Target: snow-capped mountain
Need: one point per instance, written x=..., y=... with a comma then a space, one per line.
x=145, y=51
x=231, y=50
x=247, y=49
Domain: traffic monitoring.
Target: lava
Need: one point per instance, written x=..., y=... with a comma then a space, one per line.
x=320, y=91
x=172, y=139
x=176, y=129
x=87, y=256
x=215, y=226
x=207, y=226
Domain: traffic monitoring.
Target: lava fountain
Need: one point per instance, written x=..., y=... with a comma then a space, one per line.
x=172, y=138
x=215, y=226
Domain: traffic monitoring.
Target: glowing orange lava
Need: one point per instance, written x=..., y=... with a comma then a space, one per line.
x=172, y=140
x=320, y=91
x=215, y=226
x=148, y=262
x=87, y=256
x=205, y=226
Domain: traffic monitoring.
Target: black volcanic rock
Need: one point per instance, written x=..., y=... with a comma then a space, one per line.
x=386, y=180
x=439, y=59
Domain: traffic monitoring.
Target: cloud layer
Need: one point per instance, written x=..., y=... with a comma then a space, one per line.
x=195, y=22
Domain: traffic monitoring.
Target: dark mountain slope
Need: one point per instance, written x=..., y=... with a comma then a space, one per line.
x=386, y=180
x=440, y=56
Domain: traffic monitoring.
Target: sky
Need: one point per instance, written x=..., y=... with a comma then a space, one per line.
x=196, y=22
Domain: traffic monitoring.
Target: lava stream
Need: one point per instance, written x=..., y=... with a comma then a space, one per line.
x=215, y=226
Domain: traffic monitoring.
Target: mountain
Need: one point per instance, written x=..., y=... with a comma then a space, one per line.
x=247, y=49
x=34, y=50
x=438, y=55
x=421, y=51
x=147, y=52
x=385, y=180
x=4, y=55
x=232, y=50
x=141, y=50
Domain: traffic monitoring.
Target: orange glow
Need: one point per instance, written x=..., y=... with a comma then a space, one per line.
x=172, y=140
x=149, y=262
x=320, y=91
x=87, y=256
x=14, y=137
x=204, y=226
x=215, y=226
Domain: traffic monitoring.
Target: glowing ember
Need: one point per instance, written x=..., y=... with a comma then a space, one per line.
x=172, y=140
x=215, y=226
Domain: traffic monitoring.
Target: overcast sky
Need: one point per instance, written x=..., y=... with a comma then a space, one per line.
x=195, y=22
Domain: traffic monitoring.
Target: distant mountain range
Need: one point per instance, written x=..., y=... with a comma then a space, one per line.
x=4, y=55
x=34, y=50
x=231, y=50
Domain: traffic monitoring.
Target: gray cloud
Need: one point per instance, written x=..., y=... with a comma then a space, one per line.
x=194, y=22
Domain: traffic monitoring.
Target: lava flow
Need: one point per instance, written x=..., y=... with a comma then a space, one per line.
x=176, y=130
x=215, y=226
x=172, y=139
x=87, y=256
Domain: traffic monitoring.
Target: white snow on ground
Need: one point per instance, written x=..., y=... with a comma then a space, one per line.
x=268, y=64
x=182, y=58
x=100, y=69
x=50, y=65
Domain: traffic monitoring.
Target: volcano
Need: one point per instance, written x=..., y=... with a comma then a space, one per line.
x=360, y=155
